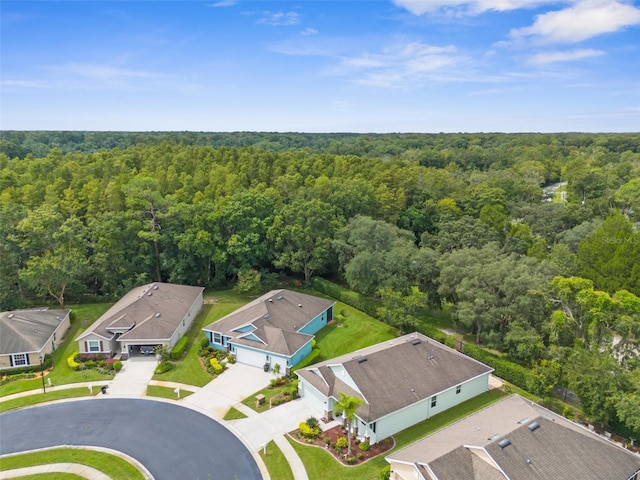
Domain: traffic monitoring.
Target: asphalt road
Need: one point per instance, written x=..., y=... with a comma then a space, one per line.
x=173, y=442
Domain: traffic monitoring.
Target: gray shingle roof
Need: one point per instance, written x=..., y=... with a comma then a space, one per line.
x=23, y=331
x=276, y=317
x=558, y=449
x=393, y=375
x=154, y=310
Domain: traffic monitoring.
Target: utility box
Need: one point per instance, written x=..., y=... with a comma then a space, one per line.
x=260, y=399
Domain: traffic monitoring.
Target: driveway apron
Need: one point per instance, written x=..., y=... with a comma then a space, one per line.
x=134, y=377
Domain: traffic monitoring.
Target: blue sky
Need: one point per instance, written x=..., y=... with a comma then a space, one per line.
x=321, y=66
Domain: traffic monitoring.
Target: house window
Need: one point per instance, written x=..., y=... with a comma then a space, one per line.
x=458, y=389
x=183, y=322
x=434, y=401
x=217, y=337
x=372, y=427
x=94, y=346
x=20, y=359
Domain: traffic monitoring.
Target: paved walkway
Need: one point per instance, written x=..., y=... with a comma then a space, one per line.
x=215, y=399
x=75, y=468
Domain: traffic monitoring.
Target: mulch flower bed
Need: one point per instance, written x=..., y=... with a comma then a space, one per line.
x=333, y=434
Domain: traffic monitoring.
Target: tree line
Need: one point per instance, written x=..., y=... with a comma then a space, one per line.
x=455, y=220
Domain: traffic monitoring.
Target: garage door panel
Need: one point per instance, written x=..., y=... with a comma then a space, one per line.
x=251, y=357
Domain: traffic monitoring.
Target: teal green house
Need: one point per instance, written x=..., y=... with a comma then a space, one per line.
x=276, y=328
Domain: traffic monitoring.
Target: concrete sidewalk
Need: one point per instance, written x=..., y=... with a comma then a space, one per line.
x=73, y=468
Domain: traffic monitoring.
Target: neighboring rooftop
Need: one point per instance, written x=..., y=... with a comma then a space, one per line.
x=151, y=311
x=273, y=321
x=23, y=331
x=524, y=441
x=392, y=375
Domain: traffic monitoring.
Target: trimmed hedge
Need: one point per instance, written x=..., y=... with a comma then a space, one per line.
x=178, y=350
x=47, y=362
x=505, y=369
x=351, y=298
x=71, y=361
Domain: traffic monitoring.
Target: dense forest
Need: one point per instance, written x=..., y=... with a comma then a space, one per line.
x=530, y=241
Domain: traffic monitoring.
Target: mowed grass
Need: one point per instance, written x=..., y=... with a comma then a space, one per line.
x=189, y=370
x=166, y=392
x=115, y=467
x=357, y=330
x=46, y=397
x=234, y=414
x=61, y=374
x=52, y=476
x=276, y=463
x=320, y=464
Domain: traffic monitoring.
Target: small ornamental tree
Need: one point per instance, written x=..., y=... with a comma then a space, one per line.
x=348, y=405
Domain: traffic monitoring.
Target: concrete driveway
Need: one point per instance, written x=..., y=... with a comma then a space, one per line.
x=133, y=378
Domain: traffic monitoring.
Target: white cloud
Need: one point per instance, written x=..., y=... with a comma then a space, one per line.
x=223, y=3
x=420, y=7
x=280, y=18
x=583, y=20
x=566, y=56
x=309, y=31
x=402, y=65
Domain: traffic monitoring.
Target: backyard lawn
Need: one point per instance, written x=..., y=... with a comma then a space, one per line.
x=189, y=369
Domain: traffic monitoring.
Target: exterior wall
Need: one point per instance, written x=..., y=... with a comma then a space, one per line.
x=314, y=398
x=402, y=471
x=257, y=358
x=317, y=323
x=300, y=355
x=422, y=410
x=109, y=348
x=186, y=322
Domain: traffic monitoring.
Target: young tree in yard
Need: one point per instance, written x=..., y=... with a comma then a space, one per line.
x=348, y=405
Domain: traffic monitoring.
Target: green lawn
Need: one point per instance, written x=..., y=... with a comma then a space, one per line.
x=115, y=467
x=61, y=374
x=250, y=401
x=46, y=397
x=189, y=369
x=166, y=392
x=321, y=464
x=52, y=476
x=357, y=330
x=276, y=463
x=234, y=414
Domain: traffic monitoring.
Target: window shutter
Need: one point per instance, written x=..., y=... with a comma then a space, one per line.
x=101, y=345
x=86, y=346
x=11, y=360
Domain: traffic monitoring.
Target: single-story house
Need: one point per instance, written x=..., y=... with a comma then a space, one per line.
x=514, y=439
x=153, y=314
x=27, y=335
x=276, y=328
x=400, y=382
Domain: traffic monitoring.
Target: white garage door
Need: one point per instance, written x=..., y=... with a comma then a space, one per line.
x=312, y=397
x=250, y=357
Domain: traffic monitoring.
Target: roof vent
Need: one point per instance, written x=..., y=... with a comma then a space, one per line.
x=533, y=426
x=524, y=420
x=279, y=297
x=149, y=294
x=157, y=315
x=300, y=305
x=267, y=315
x=431, y=357
x=271, y=300
x=493, y=437
x=416, y=342
x=504, y=443
x=10, y=315
x=362, y=359
x=155, y=287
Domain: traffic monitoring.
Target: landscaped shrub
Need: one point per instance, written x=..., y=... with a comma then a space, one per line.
x=342, y=442
x=162, y=367
x=312, y=422
x=90, y=364
x=385, y=473
x=204, y=343
x=117, y=365
x=350, y=460
x=178, y=350
x=19, y=376
x=215, y=365
x=309, y=432
x=71, y=361
x=509, y=371
x=364, y=446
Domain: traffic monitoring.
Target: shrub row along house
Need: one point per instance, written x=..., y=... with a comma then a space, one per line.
x=276, y=328
x=400, y=383
x=149, y=315
x=514, y=439
x=28, y=335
